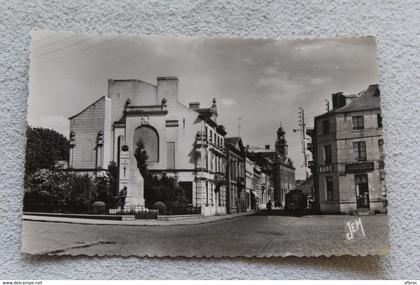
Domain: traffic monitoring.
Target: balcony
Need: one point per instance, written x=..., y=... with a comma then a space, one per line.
x=219, y=178
x=146, y=110
x=200, y=140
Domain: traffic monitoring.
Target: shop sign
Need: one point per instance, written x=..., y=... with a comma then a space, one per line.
x=326, y=168
x=359, y=167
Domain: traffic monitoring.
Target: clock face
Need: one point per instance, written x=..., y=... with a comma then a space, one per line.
x=124, y=148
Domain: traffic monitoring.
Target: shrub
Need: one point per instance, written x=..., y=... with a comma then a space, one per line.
x=160, y=206
x=98, y=207
x=47, y=190
x=64, y=192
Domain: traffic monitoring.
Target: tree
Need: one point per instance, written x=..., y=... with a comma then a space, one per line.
x=158, y=188
x=141, y=156
x=44, y=147
x=57, y=191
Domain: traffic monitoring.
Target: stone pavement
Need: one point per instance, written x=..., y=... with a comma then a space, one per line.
x=246, y=235
x=139, y=222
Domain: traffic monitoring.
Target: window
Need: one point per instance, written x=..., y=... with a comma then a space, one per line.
x=172, y=123
x=381, y=148
x=170, y=149
x=232, y=170
x=150, y=139
x=326, y=127
x=361, y=179
x=207, y=193
x=358, y=122
x=359, y=151
x=327, y=154
x=379, y=119
x=330, y=188
x=187, y=186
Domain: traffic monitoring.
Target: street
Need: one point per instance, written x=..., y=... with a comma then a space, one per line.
x=252, y=235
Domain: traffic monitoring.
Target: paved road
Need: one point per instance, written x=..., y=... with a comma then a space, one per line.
x=243, y=236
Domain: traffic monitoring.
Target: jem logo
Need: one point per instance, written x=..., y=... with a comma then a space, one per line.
x=353, y=228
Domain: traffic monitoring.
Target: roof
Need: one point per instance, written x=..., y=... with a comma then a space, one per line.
x=232, y=140
x=87, y=108
x=258, y=149
x=368, y=99
x=235, y=142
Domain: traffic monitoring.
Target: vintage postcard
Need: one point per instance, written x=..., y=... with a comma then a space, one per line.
x=162, y=146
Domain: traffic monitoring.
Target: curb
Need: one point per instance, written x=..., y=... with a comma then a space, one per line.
x=203, y=220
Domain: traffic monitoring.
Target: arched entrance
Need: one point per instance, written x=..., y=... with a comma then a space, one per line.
x=150, y=140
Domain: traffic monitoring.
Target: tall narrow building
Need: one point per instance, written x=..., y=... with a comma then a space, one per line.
x=283, y=169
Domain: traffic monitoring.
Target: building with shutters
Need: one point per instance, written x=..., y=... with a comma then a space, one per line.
x=347, y=147
x=184, y=142
x=235, y=175
x=263, y=173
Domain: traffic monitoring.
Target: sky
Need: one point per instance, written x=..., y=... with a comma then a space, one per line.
x=258, y=83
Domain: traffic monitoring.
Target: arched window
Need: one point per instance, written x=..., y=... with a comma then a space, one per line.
x=86, y=150
x=150, y=139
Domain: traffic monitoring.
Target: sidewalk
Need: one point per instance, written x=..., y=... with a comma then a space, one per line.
x=146, y=222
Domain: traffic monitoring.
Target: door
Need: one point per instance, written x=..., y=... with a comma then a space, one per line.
x=362, y=191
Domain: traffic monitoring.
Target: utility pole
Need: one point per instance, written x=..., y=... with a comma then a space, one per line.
x=302, y=128
x=239, y=126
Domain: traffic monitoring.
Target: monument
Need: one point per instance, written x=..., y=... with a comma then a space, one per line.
x=130, y=177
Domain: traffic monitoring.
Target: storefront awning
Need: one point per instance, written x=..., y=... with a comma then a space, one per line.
x=255, y=194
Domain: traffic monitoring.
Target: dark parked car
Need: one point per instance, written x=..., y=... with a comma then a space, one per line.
x=296, y=203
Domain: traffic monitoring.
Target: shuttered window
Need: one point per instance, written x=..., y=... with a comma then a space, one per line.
x=170, y=147
x=359, y=151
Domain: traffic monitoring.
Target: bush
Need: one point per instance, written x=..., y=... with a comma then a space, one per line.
x=163, y=189
x=65, y=192
x=160, y=206
x=98, y=207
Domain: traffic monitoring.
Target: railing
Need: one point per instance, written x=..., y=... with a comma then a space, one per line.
x=145, y=109
x=138, y=211
x=200, y=139
x=219, y=179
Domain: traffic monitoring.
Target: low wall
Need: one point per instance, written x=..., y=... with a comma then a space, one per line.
x=83, y=216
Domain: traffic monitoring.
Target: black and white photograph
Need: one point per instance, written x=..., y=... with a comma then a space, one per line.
x=203, y=147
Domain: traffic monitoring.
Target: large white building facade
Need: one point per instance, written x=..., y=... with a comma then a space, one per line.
x=183, y=142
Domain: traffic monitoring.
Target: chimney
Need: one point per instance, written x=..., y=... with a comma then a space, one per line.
x=338, y=100
x=167, y=87
x=194, y=105
x=267, y=146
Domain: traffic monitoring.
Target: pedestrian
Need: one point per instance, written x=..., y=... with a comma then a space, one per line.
x=123, y=196
x=269, y=206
